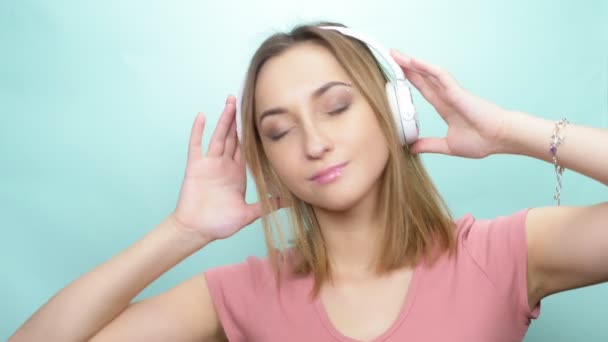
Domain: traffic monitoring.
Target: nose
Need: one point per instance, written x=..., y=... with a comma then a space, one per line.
x=316, y=141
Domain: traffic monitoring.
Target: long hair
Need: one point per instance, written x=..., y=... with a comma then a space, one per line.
x=416, y=219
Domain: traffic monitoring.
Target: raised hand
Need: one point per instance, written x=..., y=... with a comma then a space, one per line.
x=475, y=126
x=212, y=198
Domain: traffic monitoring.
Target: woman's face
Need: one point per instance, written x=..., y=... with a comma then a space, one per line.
x=311, y=119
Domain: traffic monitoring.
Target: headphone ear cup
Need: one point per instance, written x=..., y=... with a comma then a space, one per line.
x=402, y=107
x=391, y=95
x=239, y=112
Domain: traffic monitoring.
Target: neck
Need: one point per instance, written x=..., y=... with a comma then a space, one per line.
x=352, y=237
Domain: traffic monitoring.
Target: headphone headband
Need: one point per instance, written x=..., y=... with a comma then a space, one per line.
x=378, y=48
x=398, y=92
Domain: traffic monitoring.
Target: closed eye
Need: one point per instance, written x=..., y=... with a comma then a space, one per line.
x=278, y=136
x=339, y=110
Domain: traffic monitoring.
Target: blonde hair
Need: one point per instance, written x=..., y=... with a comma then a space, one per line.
x=415, y=216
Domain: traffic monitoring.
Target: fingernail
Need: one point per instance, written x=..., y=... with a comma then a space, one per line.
x=401, y=55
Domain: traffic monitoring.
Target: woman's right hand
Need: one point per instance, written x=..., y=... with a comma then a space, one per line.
x=212, y=198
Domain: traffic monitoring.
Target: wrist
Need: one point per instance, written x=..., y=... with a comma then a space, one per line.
x=512, y=136
x=182, y=232
x=527, y=135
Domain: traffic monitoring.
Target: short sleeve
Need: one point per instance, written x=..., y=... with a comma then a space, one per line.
x=232, y=289
x=500, y=249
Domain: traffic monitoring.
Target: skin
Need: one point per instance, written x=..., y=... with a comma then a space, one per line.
x=314, y=137
x=214, y=186
x=558, y=260
x=310, y=134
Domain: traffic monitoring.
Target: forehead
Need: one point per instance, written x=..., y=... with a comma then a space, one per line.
x=295, y=74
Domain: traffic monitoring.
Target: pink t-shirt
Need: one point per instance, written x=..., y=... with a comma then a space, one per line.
x=480, y=294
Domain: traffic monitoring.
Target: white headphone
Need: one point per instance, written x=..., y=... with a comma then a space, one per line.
x=397, y=91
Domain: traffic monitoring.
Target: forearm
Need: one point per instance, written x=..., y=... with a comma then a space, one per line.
x=89, y=303
x=583, y=150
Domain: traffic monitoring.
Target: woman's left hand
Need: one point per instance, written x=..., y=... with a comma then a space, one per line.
x=476, y=127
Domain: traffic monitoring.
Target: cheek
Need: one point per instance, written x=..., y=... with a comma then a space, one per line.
x=365, y=131
x=372, y=143
x=284, y=163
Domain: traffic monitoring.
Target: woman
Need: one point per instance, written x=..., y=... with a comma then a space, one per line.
x=376, y=253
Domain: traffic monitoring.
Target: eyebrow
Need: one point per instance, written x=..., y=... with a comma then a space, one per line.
x=315, y=94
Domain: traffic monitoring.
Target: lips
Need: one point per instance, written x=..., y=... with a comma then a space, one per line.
x=328, y=172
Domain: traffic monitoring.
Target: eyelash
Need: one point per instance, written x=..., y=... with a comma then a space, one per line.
x=334, y=112
x=277, y=137
x=339, y=110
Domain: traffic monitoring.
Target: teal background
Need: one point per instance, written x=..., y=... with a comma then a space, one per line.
x=97, y=101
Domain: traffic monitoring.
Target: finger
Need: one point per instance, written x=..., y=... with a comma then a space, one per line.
x=430, y=145
x=407, y=65
x=231, y=140
x=434, y=81
x=438, y=74
x=218, y=140
x=195, y=151
x=402, y=59
x=424, y=68
x=423, y=85
x=238, y=156
x=255, y=210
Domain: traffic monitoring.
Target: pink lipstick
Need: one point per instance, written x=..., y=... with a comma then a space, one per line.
x=328, y=175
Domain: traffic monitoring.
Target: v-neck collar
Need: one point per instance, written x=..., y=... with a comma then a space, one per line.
x=406, y=307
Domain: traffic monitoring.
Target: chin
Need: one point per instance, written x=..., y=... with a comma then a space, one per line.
x=336, y=200
x=336, y=206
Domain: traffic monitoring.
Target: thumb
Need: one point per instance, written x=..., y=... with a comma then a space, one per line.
x=255, y=210
x=430, y=145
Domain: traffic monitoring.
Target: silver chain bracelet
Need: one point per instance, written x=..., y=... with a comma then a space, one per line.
x=557, y=138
